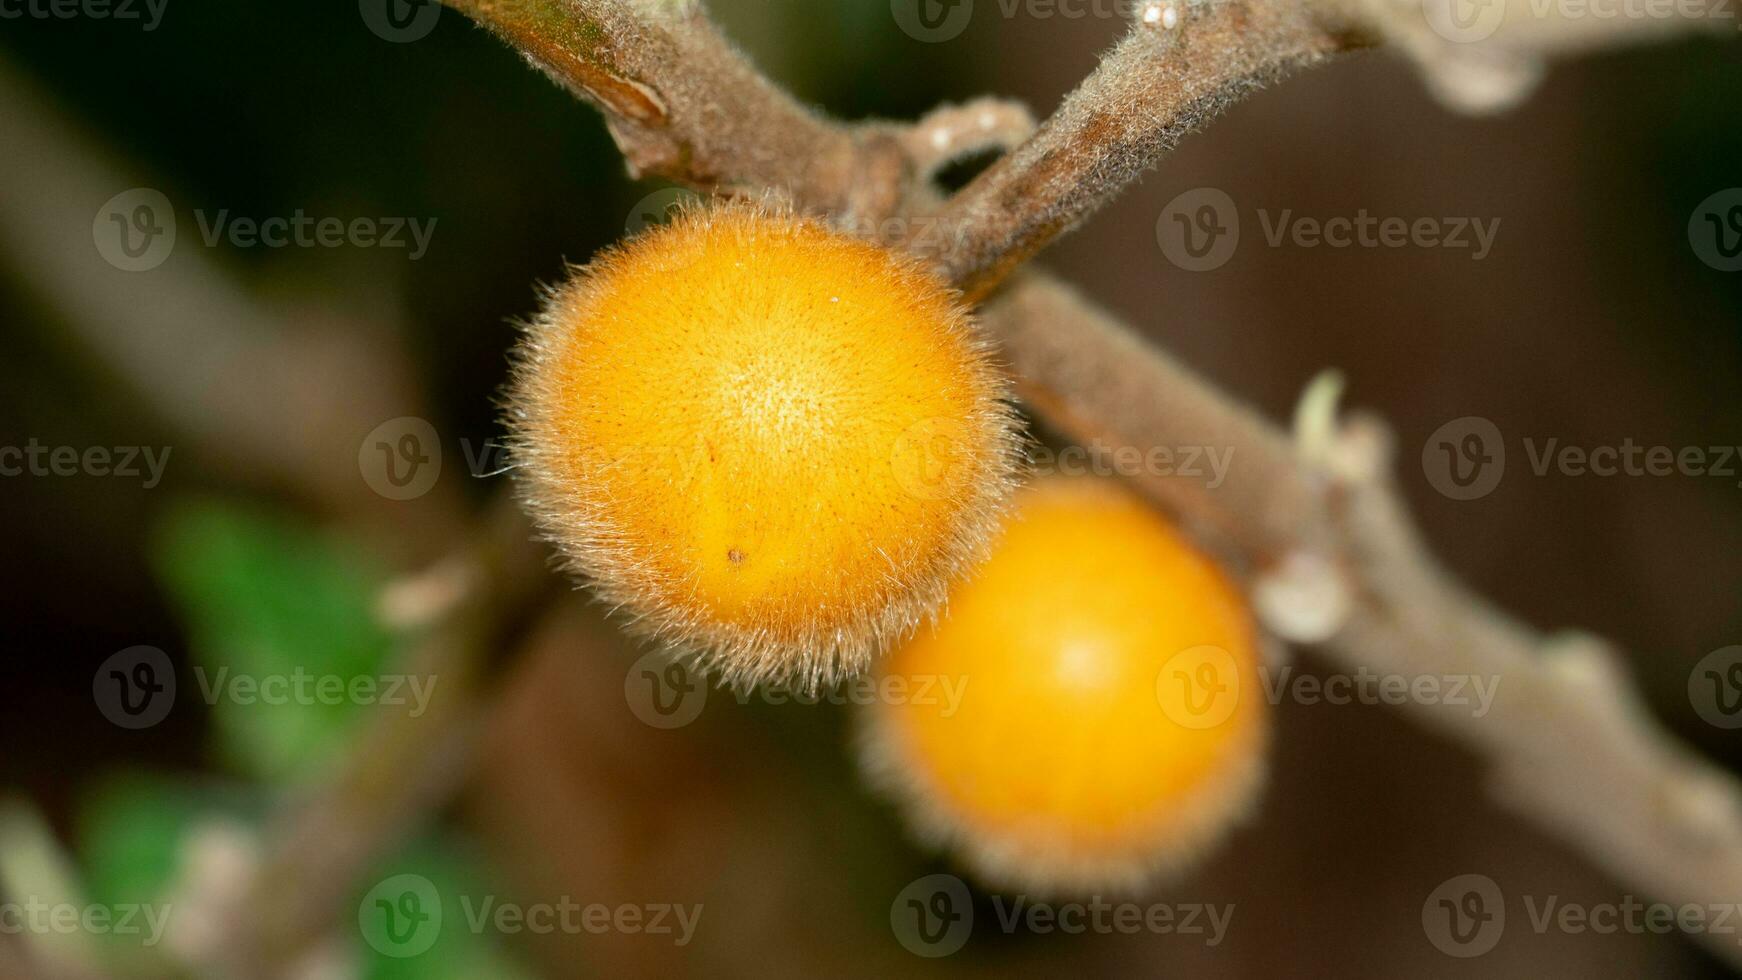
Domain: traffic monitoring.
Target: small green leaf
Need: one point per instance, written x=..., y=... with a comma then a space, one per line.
x=135, y=834
x=130, y=837
x=273, y=606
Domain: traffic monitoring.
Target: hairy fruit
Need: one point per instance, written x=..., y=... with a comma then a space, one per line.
x=1111, y=724
x=773, y=445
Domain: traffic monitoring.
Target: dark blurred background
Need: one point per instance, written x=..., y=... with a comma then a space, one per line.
x=1592, y=320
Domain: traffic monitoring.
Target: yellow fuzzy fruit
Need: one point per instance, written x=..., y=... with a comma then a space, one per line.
x=772, y=444
x=1109, y=722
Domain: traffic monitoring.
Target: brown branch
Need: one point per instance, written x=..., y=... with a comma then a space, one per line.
x=682, y=103
x=1484, y=57
x=1059, y=346
x=1181, y=64
x=1569, y=743
x=951, y=132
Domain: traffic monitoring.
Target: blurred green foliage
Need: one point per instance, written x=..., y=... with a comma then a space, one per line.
x=268, y=596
